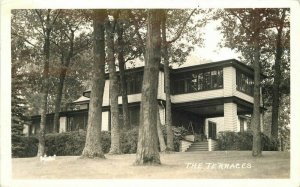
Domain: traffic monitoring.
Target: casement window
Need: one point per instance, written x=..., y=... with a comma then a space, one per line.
x=77, y=122
x=134, y=83
x=244, y=83
x=134, y=114
x=197, y=81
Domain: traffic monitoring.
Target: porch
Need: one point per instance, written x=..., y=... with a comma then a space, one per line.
x=205, y=119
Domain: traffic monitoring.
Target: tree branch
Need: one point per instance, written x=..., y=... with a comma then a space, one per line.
x=181, y=29
x=241, y=20
x=24, y=39
x=136, y=29
x=41, y=20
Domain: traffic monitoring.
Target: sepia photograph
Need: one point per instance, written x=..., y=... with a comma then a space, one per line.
x=148, y=93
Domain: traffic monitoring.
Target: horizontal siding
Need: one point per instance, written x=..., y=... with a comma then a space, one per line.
x=229, y=81
x=162, y=115
x=161, y=94
x=197, y=96
x=243, y=96
x=230, y=117
x=105, y=121
x=184, y=145
x=131, y=98
x=219, y=124
x=106, y=94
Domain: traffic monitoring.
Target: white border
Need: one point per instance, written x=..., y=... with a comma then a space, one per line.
x=5, y=100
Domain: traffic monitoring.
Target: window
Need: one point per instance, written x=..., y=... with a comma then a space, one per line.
x=244, y=83
x=134, y=82
x=241, y=124
x=134, y=114
x=198, y=81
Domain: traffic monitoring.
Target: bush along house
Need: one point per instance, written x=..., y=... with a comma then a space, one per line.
x=206, y=99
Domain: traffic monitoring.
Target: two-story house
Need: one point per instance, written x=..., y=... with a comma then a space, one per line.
x=208, y=98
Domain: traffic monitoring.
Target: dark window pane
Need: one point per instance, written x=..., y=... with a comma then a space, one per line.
x=244, y=83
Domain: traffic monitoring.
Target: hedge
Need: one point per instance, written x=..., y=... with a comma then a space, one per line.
x=60, y=144
x=72, y=143
x=228, y=140
x=24, y=146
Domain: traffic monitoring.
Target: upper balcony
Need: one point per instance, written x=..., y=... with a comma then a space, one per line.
x=229, y=78
x=213, y=80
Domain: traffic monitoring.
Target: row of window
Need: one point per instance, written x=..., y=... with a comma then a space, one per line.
x=193, y=82
x=244, y=83
x=198, y=81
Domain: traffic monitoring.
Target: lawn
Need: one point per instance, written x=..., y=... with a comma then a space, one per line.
x=216, y=164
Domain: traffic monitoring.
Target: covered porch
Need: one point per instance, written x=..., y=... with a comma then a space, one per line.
x=208, y=117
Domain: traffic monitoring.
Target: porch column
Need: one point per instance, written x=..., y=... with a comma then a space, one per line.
x=230, y=117
x=62, y=124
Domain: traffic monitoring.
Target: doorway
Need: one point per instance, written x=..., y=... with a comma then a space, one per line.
x=212, y=130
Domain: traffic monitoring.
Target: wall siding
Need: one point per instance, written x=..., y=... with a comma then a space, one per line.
x=230, y=117
x=229, y=81
x=162, y=115
x=197, y=96
x=105, y=121
x=161, y=93
x=106, y=94
x=243, y=96
x=62, y=124
x=219, y=124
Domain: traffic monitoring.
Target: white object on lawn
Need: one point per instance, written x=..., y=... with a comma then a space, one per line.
x=45, y=158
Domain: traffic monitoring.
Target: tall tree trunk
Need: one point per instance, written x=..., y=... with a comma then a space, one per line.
x=170, y=135
x=255, y=122
x=126, y=117
x=58, y=100
x=277, y=79
x=162, y=143
x=113, y=88
x=147, y=148
x=93, y=147
x=62, y=77
x=44, y=92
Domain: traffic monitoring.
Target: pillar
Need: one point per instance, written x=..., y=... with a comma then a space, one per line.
x=230, y=117
x=62, y=124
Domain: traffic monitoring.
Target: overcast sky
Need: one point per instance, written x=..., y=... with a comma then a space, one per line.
x=210, y=52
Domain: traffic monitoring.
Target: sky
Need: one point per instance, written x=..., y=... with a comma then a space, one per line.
x=210, y=52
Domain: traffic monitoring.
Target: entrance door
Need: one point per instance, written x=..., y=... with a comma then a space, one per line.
x=212, y=130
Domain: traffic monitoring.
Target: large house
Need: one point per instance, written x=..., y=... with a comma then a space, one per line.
x=207, y=98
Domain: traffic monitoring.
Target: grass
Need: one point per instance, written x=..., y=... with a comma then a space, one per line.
x=174, y=166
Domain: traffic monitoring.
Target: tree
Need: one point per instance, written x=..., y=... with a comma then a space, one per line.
x=147, y=148
x=18, y=86
x=162, y=143
x=166, y=45
x=277, y=73
x=113, y=84
x=167, y=86
x=255, y=121
x=47, y=27
x=69, y=41
x=93, y=147
x=245, y=30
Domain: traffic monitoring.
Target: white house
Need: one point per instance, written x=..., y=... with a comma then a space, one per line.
x=208, y=98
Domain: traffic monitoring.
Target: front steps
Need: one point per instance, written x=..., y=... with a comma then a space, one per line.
x=198, y=146
x=191, y=146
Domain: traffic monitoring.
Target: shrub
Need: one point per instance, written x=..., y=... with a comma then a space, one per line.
x=228, y=140
x=128, y=140
x=72, y=143
x=60, y=144
x=24, y=146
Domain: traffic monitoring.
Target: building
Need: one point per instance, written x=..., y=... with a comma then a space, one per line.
x=208, y=98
